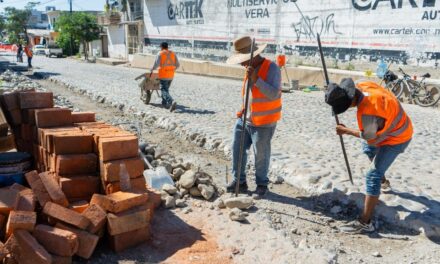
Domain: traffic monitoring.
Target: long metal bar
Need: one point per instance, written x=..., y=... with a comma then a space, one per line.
x=327, y=80
x=244, y=118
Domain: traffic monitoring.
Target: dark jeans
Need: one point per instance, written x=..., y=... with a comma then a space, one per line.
x=30, y=62
x=167, y=100
x=260, y=138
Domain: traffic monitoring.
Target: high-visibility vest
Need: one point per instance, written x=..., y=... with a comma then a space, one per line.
x=263, y=110
x=380, y=102
x=167, y=65
x=28, y=52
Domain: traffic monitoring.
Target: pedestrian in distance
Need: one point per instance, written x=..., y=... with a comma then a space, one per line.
x=167, y=63
x=29, y=54
x=386, y=130
x=263, y=114
x=20, y=53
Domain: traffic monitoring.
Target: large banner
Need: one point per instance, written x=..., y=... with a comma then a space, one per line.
x=412, y=26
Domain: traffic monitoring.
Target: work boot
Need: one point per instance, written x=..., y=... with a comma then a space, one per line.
x=173, y=106
x=243, y=188
x=260, y=191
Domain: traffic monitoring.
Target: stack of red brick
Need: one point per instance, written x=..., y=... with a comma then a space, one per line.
x=89, y=181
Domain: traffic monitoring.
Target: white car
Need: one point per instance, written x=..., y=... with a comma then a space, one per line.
x=53, y=50
x=39, y=50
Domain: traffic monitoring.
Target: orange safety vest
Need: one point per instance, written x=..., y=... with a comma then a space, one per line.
x=380, y=102
x=263, y=110
x=167, y=65
x=28, y=52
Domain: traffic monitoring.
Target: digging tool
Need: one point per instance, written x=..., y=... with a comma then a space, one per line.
x=155, y=177
x=327, y=81
x=244, y=117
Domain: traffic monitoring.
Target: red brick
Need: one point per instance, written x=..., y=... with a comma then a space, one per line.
x=57, y=241
x=36, y=100
x=27, y=202
x=3, y=220
x=79, y=164
x=9, y=200
x=137, y=185
x=31, y=249
x=97, y=217
x=127, y=221
x=28, y=116
x=87, y=241
x=66, y=215
x=72, y=144
x=3, y=251
x=82, y=117
x=61, y=260
x=110, y=170
x=118, y=148
x=80, y=186
x=53, y=189
x=26, y=132
x=55, y=117
x=79, y=206
x=44, y=134
x=119, y=201
x=9, y=101
x=131, y=239
x=38, y=188
x=14, y=117
x=14, y=250
x=20, y=220
x=154, y=200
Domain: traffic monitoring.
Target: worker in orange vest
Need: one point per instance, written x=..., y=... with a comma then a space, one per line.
x=263, y=114
x=29, y=54
x=385, y=127
x=167, y=62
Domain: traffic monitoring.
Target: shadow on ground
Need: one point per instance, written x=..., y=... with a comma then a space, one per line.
x=169, y=234
x=181, y=109
x=393, y=224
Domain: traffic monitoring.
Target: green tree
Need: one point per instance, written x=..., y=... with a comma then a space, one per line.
x=82, y=27
x=17, y=22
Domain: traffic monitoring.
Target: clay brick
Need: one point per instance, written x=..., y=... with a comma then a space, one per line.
x=44, y=134
x=3, y=220
x=66, y=215
x=110, y=170
x=38, y=188
x=35, y=100
x=55, y=117
x=26, y=132
x=8, y=200
x=154, y=201
x=97, y=217
x=79, y=206
x=57, y=241
x=56, y=194
x=20, y=220
x=10, y=260
x=91, y=124
x=137, y=185
x=119, y=201
x=9, y=101
x=118, y=148
x=61, y=260
x=72, y=144
x=14, y=117
x=28, y=116
x=31, y=249
x=3, y=251
x=87, y=241
x=27, y=202
x=130, y=239
x=127, y=221
x=79, y=164
x=14, y=251
x=80, y=186
x=82, y=117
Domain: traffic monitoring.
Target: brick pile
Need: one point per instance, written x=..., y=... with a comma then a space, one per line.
x=88, y=185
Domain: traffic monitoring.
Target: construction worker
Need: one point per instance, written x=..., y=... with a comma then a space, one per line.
x=385, y=127
x=167, y=62
x=263, y=114
x=29, y=54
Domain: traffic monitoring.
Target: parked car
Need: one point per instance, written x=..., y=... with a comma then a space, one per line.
x=53, y=50
x=39, y=50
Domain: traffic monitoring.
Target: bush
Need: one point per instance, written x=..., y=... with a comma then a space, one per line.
x=350, y=67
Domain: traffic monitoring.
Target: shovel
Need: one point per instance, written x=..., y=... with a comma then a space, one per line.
x=155, y=177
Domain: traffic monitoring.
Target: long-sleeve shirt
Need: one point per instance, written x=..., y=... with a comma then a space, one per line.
x=271, y=88
x=157, y=62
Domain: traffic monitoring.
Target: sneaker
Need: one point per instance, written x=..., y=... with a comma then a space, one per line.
x=357, y=227
x=173, y=106
x=386, y=185
x=243, y=188
x=261, y=191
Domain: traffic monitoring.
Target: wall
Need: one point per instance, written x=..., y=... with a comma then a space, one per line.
x=350, y=29
x=116, y=42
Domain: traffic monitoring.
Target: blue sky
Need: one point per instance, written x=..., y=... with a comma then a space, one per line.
x=78, y=5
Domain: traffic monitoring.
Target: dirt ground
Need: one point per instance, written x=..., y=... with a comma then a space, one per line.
x=288, y=223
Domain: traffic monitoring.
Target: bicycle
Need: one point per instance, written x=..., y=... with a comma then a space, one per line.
x=421, y=93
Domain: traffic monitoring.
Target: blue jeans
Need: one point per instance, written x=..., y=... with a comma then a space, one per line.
x=382, y=157
x=259, y=138
x=30, y=62
x=167, y=100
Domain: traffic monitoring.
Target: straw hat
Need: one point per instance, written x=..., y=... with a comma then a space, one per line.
x=242, y=50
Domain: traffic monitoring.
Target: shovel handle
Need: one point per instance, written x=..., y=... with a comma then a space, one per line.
x=147, y=164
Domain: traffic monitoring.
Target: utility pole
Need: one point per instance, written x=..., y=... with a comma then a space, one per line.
x=71, y=40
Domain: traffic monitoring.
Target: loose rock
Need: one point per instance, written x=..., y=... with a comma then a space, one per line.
x=194, y=191
x=188, y=179
x=239, y=202
x=207, y=191
x=170, y=189
x=237, y=215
